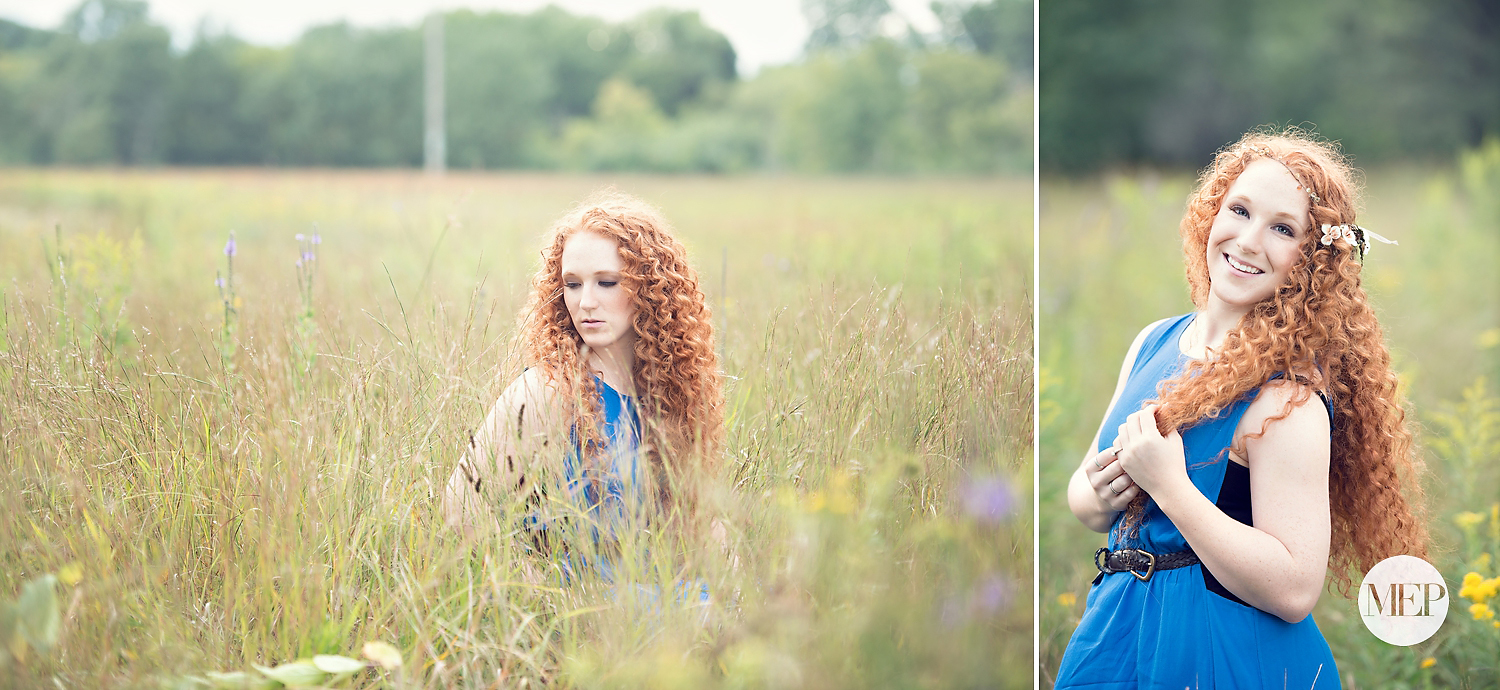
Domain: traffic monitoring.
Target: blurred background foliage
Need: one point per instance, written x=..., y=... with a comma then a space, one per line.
x=1167, y=83
x=545, y=90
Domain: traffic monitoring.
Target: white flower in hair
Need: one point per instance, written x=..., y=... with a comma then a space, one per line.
x=1357, y=236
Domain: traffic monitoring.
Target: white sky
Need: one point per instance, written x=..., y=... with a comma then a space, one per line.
x=764, y=32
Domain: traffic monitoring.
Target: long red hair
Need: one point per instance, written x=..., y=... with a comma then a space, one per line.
x=1318, y=328
x=676, y=372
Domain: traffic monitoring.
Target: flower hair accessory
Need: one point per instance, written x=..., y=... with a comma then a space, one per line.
x=1355, y=234
x=1265, y=152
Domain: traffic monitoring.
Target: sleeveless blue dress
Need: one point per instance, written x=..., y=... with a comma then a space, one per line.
x=613, y=502
x=1182, y=629
x=616, y=502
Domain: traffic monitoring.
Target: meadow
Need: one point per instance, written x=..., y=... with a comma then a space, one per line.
x=208, y=468
x=1110, y=262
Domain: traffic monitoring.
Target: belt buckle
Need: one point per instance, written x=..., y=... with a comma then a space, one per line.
x=1101, y=561
x=1150, y=565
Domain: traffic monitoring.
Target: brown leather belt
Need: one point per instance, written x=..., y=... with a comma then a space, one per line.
x=1142, y=564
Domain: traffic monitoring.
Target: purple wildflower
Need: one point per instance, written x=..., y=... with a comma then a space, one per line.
x=229, y=247
x=219, y=281
x=317, y=239
x=308, y=256
x=992, y=594
x=300, y=237
x=989, y=500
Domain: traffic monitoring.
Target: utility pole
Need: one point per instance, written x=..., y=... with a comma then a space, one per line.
x=435, y=138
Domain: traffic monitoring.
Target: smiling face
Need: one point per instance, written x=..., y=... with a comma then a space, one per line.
x=1256, y=236
x=602, y=309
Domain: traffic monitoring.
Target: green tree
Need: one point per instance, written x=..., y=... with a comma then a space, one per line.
x=844, y=111
x=843, y=23
x=677, y=59
x=203, y=115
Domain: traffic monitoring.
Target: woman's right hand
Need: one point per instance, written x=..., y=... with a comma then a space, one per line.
x=1112, y=486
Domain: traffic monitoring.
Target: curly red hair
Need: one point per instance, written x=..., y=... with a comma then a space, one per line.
x=676, y=372
x=1318, y=328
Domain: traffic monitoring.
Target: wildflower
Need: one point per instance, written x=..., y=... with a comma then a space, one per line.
x=307, y=256
x=993, y=594
x=300, y=237
x=1429, y=662
x=1467, y=519
x=219, y=281
x=989, y=500
x=317, y=239
x=1477, y=589
x=840, y=498
x=1067, y=600
x=229, y=247
x=1481, y=612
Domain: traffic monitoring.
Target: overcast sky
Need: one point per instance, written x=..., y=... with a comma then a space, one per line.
x=764, y=32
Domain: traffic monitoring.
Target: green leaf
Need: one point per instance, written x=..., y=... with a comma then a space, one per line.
x=236, y=679
x=382, y=653
x=332, y=663
x=294, y=674
x=37, y=615
x=341, y=667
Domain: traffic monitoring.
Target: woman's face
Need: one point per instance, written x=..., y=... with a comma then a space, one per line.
x=601, y=307
x=1257, y=235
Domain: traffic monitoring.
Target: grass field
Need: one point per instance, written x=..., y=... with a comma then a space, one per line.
x=223, y=477
x=1110, y=263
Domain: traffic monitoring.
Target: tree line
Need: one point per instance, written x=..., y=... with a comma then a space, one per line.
x=1170, y=81
x=544, y=90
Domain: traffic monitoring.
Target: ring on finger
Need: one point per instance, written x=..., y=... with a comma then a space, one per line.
x=1096, y=462
x=1112, y=488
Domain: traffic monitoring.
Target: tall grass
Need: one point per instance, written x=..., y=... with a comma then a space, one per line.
x=276, y=498
x=1111, y=264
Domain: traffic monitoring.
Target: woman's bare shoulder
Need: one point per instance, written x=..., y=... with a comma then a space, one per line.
x=1292, y=404
x=530, y=399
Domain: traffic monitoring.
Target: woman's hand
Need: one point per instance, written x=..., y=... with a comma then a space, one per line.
x=1155, y=463
x=1113, y=487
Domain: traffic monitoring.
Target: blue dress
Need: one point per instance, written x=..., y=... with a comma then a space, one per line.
x=608, y=506
x=1182, y=629
x=616, y=503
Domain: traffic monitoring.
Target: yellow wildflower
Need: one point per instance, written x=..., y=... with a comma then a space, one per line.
x=1470, y=587
x=1467, y=519
x=1067, y=599
x=1479, y=590
x=1429, y=662
x=840, y=495
x=1481, y=612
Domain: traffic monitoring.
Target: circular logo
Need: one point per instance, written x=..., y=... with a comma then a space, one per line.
x=1403, y=600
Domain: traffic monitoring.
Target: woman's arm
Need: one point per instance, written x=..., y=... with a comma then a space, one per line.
x=1092, y=489
x=1277, y=566
x=502, y=456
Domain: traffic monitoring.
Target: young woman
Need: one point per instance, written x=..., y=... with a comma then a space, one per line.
x=620, y=406
x=1252, y=447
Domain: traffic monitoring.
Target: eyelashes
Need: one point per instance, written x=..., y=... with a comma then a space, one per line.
x=1283, y=229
